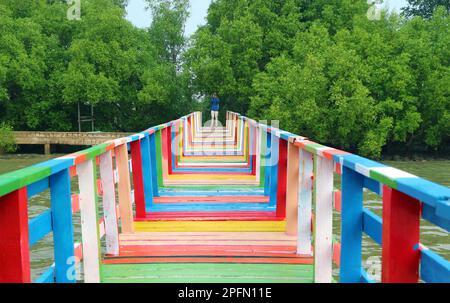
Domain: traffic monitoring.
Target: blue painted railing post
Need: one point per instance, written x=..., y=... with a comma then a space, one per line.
x=267, y=164
x=147, y=172
x=274, y=169
x=61, y=205
x=351, y=226
x=153, y=165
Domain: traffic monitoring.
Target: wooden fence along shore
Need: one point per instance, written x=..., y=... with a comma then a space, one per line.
x=246, y=202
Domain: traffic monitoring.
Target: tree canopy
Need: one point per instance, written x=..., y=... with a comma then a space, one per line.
x=50, y=63
x=322, y=67
x=424, y=8
x=328, y=72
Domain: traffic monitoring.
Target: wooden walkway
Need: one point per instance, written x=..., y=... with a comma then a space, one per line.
x=210, y=220
x=247, y=202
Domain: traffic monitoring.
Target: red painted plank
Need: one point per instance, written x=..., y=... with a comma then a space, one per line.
x=337, y=254
x=208, y=250
x=73, y=171
x=211, y=216
x=78, y=252
x=213, y=199
x=338, y=169
x=138, y=178
x=99, y=187
x=282, y=179
x=338, y=201
x=14, y=248
x=211, y=172
x=75, y=203
x=209, y=260
x=401, y=227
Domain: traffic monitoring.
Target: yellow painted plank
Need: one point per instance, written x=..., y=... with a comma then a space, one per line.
x=210, y=226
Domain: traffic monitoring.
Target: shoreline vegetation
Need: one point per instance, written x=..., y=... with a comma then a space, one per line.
x=371, y=84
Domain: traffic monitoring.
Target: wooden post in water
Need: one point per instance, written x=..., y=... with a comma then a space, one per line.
x=14, y=247
x=47, y=149
x=401, y=226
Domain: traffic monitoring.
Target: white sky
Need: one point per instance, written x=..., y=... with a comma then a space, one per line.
x=141, y=18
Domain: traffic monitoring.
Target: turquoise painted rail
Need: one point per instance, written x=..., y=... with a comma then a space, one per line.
x=298, y=179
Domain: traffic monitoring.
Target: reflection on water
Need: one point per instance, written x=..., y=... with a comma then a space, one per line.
x=431, y=236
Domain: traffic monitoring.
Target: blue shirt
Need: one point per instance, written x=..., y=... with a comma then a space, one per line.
x=215, y=104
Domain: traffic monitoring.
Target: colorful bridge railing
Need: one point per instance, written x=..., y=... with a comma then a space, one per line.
x=296, y=175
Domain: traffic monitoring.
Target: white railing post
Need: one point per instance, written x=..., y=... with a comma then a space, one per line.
x=305, y=169
x=89, y=221
x=323, y=227
x=109, y=203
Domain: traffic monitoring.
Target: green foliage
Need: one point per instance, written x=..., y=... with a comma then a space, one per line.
x=329, y=73
x=424, y=8
x=7, y=141
x=320, y=67
x=48, y=64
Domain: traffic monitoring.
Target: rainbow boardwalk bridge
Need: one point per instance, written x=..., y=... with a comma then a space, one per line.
x=245, y=202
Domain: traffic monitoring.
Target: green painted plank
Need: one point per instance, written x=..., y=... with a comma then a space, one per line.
x=17, y=179
x=93, y=152
x=383, y=179
x=312, y=147
x=207, y=273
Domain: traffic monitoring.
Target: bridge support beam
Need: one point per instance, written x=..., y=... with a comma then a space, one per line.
x=47, y=149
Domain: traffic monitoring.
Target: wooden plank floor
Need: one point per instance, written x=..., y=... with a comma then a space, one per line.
x=208, y=225
x=206, y=273
x=207, y=257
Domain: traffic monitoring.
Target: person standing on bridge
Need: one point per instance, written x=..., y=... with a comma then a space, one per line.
x=215, y=110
